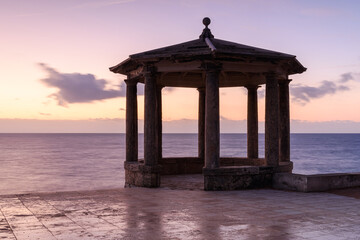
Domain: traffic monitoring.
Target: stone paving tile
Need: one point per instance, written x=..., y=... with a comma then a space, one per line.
x=165, y=213
x=5, y=230
x=33, y=234
x=22, y=222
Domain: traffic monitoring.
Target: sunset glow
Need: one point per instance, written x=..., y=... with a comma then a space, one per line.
x=79, y=40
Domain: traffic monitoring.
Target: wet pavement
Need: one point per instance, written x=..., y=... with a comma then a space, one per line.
x=174, y=212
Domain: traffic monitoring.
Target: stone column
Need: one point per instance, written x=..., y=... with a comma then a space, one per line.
x=212, y=117
x=201, y=124
x=284, y=121
x=252, y=123
x=272, y=120
x=159, y=122
x=150, y=155
x=131, y=122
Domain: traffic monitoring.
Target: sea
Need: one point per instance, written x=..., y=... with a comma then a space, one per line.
x=74, y=162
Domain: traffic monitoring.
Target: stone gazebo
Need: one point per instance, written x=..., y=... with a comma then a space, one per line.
x=206, y=64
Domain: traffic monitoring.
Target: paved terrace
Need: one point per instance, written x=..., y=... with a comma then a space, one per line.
x=182, y=212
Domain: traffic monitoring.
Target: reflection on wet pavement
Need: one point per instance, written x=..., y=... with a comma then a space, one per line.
x=165, y=213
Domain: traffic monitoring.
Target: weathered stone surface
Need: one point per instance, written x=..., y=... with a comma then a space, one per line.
x=184, y=165
x=150, y=143
x=289, y=181
x=232, y=170
x=140, y=175
x=272, y=120
x=194, y=165
x=284, y=121
x=316, y=182
x=212, y=116
x=252, y=123
x=158, y=122
x=162, y=213
x=236, y=161
x=131, y=122
x=236, y=178
x=201, y=124
x=284, y=167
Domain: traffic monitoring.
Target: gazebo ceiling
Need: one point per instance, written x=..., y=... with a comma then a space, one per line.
x=181, y=65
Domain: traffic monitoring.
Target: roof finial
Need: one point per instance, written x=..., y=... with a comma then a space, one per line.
x=206, y=21
x=206, y=32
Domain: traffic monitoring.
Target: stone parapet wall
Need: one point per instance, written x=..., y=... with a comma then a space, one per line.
x=237, y=178
x=183, y=165
x=194, y=165
x=236, y=161
x=316, y=182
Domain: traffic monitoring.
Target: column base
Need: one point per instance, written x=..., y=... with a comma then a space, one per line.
x=237, y=178
x=284, y=167
x=139, y=175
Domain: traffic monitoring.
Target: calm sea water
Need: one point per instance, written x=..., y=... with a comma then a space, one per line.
x=59, y=162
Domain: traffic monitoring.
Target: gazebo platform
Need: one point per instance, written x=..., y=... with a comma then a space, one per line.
x=178, y=210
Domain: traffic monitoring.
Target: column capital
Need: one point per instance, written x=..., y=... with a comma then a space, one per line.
x=149, y=70
x=201, y=89
x=272, y=74
x=285, y=82
x=252, y=87
x=160, y=87
x=211, y=66
x=130, y=82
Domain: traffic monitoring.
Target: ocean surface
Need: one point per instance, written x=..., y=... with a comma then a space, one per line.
x=62, y=162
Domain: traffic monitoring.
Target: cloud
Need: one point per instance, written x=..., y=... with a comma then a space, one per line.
x=261, y=93
x=346, y=77
x=303, y=94
x=167, y=90
x=79, y=88
x=349, y=76
x=222, y=118
x=114, y=125
x=140, y=89
x=117, y=125
x=45, y=114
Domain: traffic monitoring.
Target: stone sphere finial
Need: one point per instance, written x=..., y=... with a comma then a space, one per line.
x=206, y=32
x=206, y=21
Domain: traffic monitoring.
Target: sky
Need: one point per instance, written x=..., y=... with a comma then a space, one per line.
x=55, y=58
